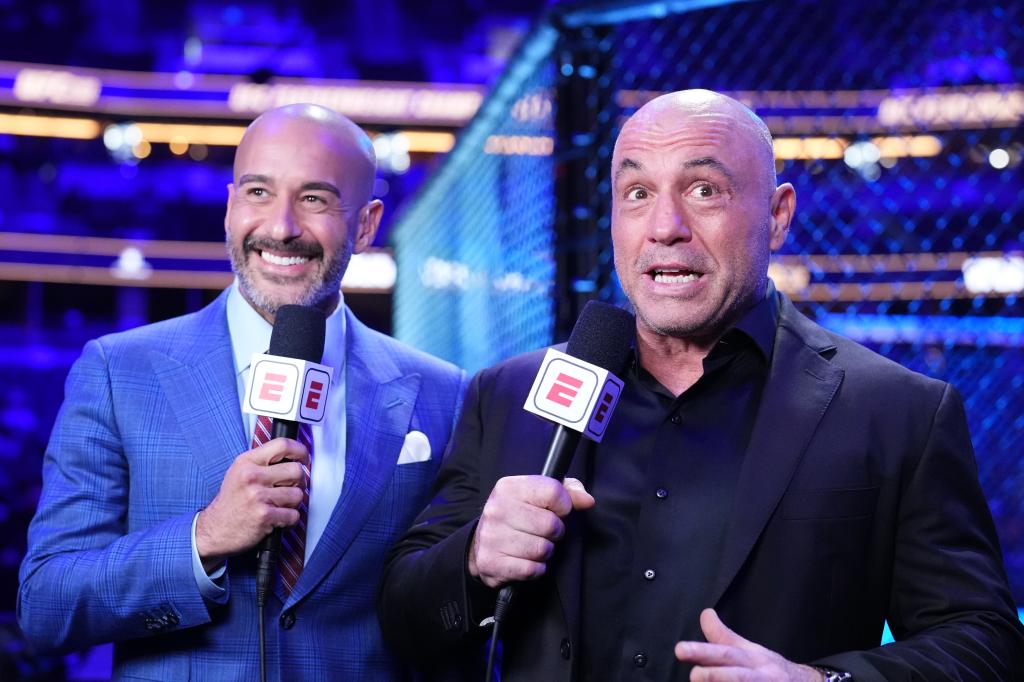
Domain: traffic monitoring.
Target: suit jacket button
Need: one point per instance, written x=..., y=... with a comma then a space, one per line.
x=640, y=660
x=287, y=620
x=566, y=649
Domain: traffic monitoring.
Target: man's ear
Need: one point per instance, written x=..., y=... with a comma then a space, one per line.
x=369, y=221
x=783, y=205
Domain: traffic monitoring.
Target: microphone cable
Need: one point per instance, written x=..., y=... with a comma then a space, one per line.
x=500, y=608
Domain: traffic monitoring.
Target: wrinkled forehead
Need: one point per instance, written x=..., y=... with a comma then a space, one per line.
x=699, y=123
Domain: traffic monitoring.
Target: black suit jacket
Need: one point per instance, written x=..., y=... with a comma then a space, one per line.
x=858, y=501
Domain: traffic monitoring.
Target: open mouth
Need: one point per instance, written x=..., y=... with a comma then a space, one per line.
x=282, y=260
x=679, y=276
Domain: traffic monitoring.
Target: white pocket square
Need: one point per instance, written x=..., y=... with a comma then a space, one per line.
x=416, y=448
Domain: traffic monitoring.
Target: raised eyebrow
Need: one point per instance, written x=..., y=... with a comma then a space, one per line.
x=711, y=162
x=321, y=187
x=627, y=164
x=251, y=177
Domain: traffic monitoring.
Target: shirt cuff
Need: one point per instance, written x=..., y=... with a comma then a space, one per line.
x=210, y=585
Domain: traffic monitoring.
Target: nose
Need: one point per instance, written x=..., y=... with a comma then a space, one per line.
x=283, y=225
x=668, y=223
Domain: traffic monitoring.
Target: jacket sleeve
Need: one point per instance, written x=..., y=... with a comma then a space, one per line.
x=86, y=579
x=950, y=611
x=429, y=605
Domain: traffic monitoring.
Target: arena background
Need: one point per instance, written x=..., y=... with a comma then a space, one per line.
x=898, y=122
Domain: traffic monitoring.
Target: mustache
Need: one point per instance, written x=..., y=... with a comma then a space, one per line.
x=292, y=248
x=692, y=262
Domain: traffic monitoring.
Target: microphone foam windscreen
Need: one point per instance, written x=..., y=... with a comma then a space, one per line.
x=603, y=336
x=298, y=333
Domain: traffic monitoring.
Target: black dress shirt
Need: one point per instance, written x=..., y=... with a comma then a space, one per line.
x=664, y=479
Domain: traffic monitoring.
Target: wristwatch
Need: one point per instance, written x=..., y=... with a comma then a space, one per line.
x=833, y=675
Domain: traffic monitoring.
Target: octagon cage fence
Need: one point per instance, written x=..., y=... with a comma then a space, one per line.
x=898, y=123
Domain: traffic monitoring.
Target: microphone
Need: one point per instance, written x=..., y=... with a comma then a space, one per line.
x=578, y=391
x=298, y=335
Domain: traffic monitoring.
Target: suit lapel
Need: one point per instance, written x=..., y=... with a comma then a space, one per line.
x=379, y=402
x=201, y=387
x=800, y=387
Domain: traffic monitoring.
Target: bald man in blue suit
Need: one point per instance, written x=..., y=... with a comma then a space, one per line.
x=154, y=500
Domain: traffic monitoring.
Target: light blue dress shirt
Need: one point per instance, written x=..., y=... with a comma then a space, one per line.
x=250, y=334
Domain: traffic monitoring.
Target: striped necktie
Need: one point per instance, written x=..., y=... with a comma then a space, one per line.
x=293, y=538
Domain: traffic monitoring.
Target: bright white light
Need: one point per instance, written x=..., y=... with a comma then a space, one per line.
x=400, y=162
x=442, y=274
x=132, y=134
x=131, y=264
x=999, y=158
x=870, y=152
x=861, y=154
x=516, y=283
x=113, y=137
x=871, y=172
x=57, y=86
x=371, y=270
x=994, y=275
x=399, y=144
x=382, y=146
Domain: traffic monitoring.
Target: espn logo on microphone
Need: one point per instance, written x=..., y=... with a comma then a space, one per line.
x=574, y=393
x=286, y=388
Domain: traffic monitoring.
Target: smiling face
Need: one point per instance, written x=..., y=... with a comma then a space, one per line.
x=299, y=207
x=695, y=213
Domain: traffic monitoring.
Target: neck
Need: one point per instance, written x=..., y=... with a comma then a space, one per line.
x=676, y=363
x=326, y=306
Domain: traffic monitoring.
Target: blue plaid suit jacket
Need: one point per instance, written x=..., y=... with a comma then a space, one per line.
x=149, y=425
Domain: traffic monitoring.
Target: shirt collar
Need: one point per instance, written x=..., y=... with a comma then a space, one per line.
x=760, y=322
x=250, y=333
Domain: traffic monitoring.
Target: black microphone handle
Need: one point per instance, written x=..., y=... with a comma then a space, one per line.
x=271, y=545
x=560, y=452
x=285, y=429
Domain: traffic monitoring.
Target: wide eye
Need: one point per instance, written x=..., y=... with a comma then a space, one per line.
x=636, y=194
x=704, y=190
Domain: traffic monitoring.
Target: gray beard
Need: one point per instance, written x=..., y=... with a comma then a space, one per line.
x=319, y=294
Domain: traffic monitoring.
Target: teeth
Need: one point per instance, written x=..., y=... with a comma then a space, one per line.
x=674, y=277
x=278, y=260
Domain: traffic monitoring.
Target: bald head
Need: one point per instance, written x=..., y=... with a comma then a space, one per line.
x=670, y=113
x=299, y=206
x=316, y=125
